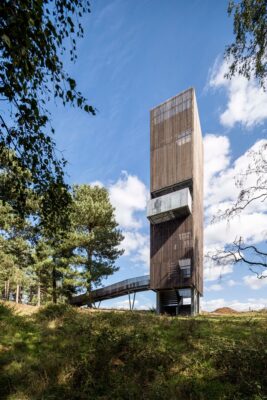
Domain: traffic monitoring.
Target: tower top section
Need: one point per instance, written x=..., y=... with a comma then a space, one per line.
x=175, y=140
x=172, y=106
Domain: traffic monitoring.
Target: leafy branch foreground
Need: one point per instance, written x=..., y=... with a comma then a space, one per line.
x=60, y=352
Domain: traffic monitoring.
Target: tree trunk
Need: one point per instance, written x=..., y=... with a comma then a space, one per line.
x=89, y=285
x=89, y=288
x=30, y=295
x=54, y=286
x=39, y=295
x=7, y=290
x=17, y=294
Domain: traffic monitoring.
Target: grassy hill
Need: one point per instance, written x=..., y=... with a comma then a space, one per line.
x=62, y=353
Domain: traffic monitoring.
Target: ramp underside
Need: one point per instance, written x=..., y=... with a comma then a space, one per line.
x=133, y=285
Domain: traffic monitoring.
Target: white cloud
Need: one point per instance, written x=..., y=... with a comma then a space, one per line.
x=216, y=287
x=220, y=193
x=136, y=245
x=250, y=304
x=254, y=282
x=247, y=102
x=138, y=305
x=220, y=189
x=232, y=283
x=214, y=272
x=217, y=159
x=128, y=195
x=251, y=227
x=97, y=183
x=124, y=304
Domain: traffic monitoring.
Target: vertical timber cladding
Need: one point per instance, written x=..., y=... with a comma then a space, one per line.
x=176, y=161
x=198, y=196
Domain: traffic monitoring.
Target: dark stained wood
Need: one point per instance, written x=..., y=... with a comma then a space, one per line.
x=170, y=242
x=177, y=159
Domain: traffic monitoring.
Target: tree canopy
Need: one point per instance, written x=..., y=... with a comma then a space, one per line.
x=33, y=37
x=248, y=53
x=40, y=268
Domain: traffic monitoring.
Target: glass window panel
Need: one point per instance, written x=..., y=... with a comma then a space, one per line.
x=185, y=292
x=185, y=262
x=186, y=271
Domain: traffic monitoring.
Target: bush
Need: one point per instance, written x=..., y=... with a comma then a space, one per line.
x=63, y=353
x=53, y=311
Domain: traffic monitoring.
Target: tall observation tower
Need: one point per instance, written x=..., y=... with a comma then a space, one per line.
x=175, y=209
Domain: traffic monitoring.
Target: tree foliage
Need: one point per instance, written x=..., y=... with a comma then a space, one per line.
x=43, y=268
x=33, y=37
x=15, y=251
x=95, y=236
x=248, y=53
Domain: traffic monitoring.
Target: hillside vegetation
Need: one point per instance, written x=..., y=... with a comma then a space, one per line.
x=63, y=353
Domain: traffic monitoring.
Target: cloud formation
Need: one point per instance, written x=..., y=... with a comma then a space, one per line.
x=246, y=101
x=136, y=246
x=128, y=195
x=214, y=272
x=220, y=172
x=250, y=304
x=216, y=287
x=220, y=192
x=254, y=282
x=144, y=304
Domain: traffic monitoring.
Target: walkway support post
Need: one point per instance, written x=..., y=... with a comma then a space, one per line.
x=131, y=302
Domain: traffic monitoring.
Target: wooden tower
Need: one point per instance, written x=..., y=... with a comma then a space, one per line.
x=175, y=209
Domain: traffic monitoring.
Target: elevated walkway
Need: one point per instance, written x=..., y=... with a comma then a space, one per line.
x=128, y=286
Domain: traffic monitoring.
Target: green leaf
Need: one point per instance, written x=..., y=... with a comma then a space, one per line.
x=72, y=83
x=6, y=40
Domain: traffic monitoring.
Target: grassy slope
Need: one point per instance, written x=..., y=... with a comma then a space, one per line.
x=61, y=353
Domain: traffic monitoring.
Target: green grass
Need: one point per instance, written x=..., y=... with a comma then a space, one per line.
x=61, y=353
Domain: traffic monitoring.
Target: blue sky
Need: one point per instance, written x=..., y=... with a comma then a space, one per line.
x=135, y=55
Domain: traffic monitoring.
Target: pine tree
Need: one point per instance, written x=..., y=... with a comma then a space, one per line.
x=95, y=236
x=15, y=252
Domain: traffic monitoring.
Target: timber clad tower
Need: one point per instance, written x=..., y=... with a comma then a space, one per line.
x=175, y=210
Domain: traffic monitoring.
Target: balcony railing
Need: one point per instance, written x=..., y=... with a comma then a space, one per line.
x=169, y=206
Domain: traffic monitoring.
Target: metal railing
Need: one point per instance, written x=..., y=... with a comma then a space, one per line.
x=132, y=285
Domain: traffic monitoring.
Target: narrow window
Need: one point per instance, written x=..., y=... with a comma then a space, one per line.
x=185, y=267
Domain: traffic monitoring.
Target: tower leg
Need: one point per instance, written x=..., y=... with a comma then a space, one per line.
x=131, y=302
x=194, y=302
x=158, y=308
